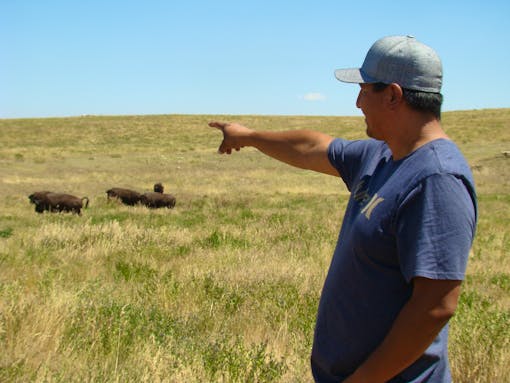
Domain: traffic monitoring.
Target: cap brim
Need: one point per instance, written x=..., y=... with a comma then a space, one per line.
x=353, y=75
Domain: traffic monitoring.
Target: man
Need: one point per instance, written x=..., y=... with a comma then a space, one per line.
x=395, y=276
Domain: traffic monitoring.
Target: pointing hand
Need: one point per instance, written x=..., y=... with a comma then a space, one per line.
x=234, y=136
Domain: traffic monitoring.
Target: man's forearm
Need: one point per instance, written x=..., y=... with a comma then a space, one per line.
x=304, y=149
x=300, y=148
x=414, y=329
x=405, y=343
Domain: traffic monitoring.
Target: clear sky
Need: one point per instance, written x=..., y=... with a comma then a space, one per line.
x=267, y=57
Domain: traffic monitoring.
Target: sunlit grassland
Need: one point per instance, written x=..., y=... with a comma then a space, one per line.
x=224, y=287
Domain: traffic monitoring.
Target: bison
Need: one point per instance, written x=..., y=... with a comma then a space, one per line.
x=126, y=196
x=156, y=200
x=158, y=188
x=57, y=202
x=40, y=200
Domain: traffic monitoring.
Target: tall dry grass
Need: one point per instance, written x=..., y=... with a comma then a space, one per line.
x=224, y=287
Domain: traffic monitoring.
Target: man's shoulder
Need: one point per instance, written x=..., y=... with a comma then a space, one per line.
x=438, y=160
x=440, y=156
x=360, y=147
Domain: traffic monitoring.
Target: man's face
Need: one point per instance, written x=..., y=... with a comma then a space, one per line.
x=371, y=104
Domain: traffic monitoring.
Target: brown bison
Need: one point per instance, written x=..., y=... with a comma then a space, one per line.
x=156, y=200
x=158, y=188
x=40, y=200
x=126, y=196
x=57, y=202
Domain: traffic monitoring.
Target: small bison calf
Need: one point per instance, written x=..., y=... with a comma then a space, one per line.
x=126, y=196
x=159, y=188
x=57, y=202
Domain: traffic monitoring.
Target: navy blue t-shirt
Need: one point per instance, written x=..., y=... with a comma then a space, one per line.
x=414, y=217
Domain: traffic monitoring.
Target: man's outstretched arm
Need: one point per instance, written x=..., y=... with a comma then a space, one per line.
x=304, y=149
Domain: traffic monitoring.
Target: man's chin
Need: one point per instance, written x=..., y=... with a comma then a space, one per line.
x=370, y=133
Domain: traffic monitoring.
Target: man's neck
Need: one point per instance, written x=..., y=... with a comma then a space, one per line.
x=413, y=133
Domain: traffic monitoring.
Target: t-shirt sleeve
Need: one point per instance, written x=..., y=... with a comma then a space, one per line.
x=435, y=228
x=348, y=157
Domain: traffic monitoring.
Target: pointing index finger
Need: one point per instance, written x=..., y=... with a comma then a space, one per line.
x=218, y=125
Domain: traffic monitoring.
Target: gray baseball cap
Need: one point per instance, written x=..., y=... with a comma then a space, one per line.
x=398, y=59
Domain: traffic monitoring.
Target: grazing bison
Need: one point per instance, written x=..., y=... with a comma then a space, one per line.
x=40, y=200
x=57, y=202
x=126, y=196
x=156, y=200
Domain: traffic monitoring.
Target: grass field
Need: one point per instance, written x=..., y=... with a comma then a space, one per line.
x=224, y=287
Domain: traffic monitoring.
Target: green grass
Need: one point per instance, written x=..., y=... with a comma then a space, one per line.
x=225, y=286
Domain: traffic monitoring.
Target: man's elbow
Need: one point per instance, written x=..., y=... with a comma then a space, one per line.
x=443, y=311
x=442, y=314
x=439, y=298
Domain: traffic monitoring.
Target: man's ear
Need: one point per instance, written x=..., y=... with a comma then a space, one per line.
x=394, y=95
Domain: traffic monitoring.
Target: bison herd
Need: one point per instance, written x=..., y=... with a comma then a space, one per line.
x=60, y=202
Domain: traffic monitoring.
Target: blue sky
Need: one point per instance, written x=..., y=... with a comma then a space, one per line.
x=101, y=57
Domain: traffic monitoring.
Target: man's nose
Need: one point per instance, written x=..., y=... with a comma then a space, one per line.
x=358, y=104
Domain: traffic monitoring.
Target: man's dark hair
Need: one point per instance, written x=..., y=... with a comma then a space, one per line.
x=418, y=100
